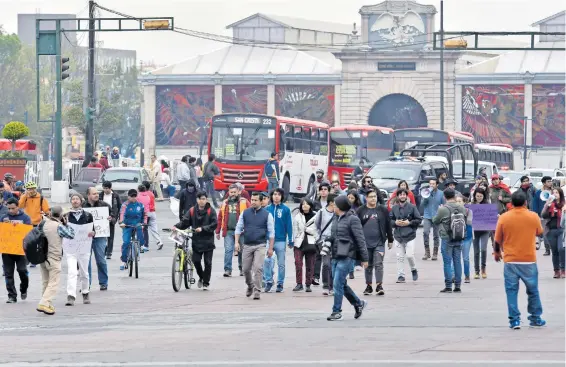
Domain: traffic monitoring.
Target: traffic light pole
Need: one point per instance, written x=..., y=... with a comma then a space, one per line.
x=89, y=131
x=58, y=164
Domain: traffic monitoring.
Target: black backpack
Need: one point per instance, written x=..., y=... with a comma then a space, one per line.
x=458, y=228
x=35, y=245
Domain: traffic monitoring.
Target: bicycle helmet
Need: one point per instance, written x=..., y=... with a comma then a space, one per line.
x=31, y=185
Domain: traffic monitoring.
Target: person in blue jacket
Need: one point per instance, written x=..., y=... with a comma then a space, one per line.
x=537, y=206
x=132, y=216
x=283, y=233
x=431, y=205
x=271, y=170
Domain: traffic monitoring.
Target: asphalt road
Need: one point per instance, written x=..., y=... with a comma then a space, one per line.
x=143, y=322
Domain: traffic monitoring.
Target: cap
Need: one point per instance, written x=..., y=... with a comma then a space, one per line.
x=132, y=192
x=342, y=203
x=264, y=194
x=8, y=175
x=320, y=170
x=495, y=176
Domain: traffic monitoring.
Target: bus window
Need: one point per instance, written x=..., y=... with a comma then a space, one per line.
x=281, y=140
x=289, y=141
x=323, y=135
x=299, y=143
x=307, y=140
x=315, y=142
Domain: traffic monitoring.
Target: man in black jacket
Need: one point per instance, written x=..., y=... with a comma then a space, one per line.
x=187, y=199
x=202, y=219
x=112, y=199
x=405, y=220
x=377, y=230
x=347, y=244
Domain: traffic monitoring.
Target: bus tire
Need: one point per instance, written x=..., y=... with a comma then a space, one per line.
x=287, y=187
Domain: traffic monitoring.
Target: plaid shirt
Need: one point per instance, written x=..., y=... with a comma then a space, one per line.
x=65, y=232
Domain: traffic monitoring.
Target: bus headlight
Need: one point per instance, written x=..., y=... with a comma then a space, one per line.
x=335, y=176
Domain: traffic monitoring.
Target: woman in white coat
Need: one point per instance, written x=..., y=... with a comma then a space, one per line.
x=304, y=233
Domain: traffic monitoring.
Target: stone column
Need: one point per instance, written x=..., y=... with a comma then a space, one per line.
x=270, y=80
x=217, y=78
x=528, y=112
x=458, y=107
x=148, y=119
x=337, y=101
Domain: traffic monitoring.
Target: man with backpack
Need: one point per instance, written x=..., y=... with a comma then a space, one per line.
x=271, y=170
x=452, y=220
x=33, y=203
x=11, y=262
x=210, y=171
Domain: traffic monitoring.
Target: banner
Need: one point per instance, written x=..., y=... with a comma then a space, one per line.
x=484, y=216
x=101, y=223
x=12, y=238
x=82, y=243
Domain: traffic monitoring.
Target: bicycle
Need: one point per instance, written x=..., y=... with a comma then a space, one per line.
x=183, y=267
x=134, y=254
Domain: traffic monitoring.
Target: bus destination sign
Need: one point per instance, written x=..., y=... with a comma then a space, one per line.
x=251, y=120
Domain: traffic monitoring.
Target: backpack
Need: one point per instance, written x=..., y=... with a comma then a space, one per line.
x=35, y=245
x=457, y=224
x=192, y=211
x=208, y=174
x=268, y=169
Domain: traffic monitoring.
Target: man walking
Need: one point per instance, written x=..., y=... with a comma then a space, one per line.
x=113, y=200
x=228, y=217
x=156, y=176
x=514, y=237
x=258, y=224
x=11, y=262
x=537, y=206
x=271, y=170
x=377, y=230
x=405, y=219
x=283, y=224
x=323, y=222
x=209, y=172
x=347, y=244
x=431, y=205
x=183, y=173
x=98, y=243
x=202, y=219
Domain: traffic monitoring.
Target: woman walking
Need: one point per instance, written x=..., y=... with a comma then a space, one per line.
x=481, y=238
x=304, y=232
x=467, y=243
x=552, y=212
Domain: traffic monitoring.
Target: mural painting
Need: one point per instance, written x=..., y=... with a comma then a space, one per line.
x=494, y=113
x=180, y=110
x=304, y=102
x=398, y=111
x=244, y=98
x=548, y=115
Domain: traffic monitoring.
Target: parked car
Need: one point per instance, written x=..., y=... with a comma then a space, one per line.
x=87, y=177
x=123, y=179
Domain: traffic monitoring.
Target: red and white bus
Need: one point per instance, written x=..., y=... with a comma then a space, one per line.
x=350, y=144
x=500, y=154
x=242, y=144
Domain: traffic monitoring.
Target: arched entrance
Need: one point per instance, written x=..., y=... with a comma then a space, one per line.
x=397, y=111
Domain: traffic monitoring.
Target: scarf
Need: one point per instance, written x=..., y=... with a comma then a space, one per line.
x=556, y=210
x=501, y=186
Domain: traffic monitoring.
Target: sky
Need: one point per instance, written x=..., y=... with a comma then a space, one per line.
x=212, y=16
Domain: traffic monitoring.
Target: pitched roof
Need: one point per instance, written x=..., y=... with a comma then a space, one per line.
x=300, y=23
x=241, y=59
x=560, y=13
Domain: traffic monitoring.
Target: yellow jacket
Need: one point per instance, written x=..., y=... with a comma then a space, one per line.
x=34, y=207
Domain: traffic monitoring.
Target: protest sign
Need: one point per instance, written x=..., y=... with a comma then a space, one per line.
x=82, y=243
x=101, y=223
x=484, y=216
x=12, y=238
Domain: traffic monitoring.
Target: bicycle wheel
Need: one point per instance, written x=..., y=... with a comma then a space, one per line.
x=188, y=271
x=131, y=257
x=136, y=259
x=176, y=270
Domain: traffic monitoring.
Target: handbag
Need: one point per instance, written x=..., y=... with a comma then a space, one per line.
x=319, y=242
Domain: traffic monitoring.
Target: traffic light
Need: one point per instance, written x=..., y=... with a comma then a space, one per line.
x=64, y=67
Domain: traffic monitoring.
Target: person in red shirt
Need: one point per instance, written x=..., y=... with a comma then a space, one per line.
x=94, y=163
x=147, y=198
x=104, y=161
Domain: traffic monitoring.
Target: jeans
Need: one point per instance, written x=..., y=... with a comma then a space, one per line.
x=272, y=183
x=340, y=270
x=555, y=237
x=405, y=250
x=229, y=245
x=309, y=266
x=203, y=275
x=11, y=264
x=127, y=240
x=466, y=245
x=99, y=249
x=375, y=261
x=169, y=190
x=327, y=281
x=528, y=273
x=427, y=225
x=110, y=245
x=209, y=188
x=451, y=256
x=480, y=248
x=317, y=265
x=269, y=264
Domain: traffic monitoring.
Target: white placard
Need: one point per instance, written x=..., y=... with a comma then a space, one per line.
x=101, y=223
x=82, y=243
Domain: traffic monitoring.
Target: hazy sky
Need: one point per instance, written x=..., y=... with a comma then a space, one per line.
x=213, y=16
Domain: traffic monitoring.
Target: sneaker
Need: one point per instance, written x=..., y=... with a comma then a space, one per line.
x=334, y=316
x=249, y=292
x=466, y=279
x=48, y=310
x=123, y=266
x=515, y=324
x=12, y=300
x=227, y=274
x=86, y=299
x=556, y=274
x=199, y=284
x=401, y=279
x=268, y=288
x=446, y=290
x=325, y=292
x=23, y=296
x=316, y=281
x=104, y=287
x=546, y=252
x=70, y=301
x=360, y=309
x=368, y=290
x=32, y=265
x=279, y=288
x=331, y=292
x=298, y=288
x=145, y=249
x=457, y=290
x=483, y=274
x=415, y=275
x=159, y=245
x=256, y=295
x=352, y=276
x=205, y=287
x=537, y=323
x=379, y=290
x=241, y=273
x=562, y=274
x=476, y=275
x=108, y=257
x=308, y=289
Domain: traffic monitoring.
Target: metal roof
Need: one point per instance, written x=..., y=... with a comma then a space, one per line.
x=300, y=23
x=519, y=62
x=554, y=16
x=251, y=60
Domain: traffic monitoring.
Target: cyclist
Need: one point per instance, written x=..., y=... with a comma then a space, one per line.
x=132, y=216
x=33, y=203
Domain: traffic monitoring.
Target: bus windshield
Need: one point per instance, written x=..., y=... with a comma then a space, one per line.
x=347, y=148
x=245, y=143
x=406, y=138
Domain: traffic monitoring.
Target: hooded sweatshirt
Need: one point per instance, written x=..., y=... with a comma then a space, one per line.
x=283, y=222
x=21, y=217
x=187, y=199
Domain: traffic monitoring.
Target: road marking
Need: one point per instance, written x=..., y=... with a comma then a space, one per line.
x=279, y=363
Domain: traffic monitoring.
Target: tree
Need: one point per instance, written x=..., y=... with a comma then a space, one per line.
x=13, y=131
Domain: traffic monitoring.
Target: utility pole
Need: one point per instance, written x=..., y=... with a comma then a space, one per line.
x=89, y=131
x=442, y=65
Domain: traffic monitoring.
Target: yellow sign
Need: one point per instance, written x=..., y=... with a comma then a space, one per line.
x=346, y=149
x=12, y=238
